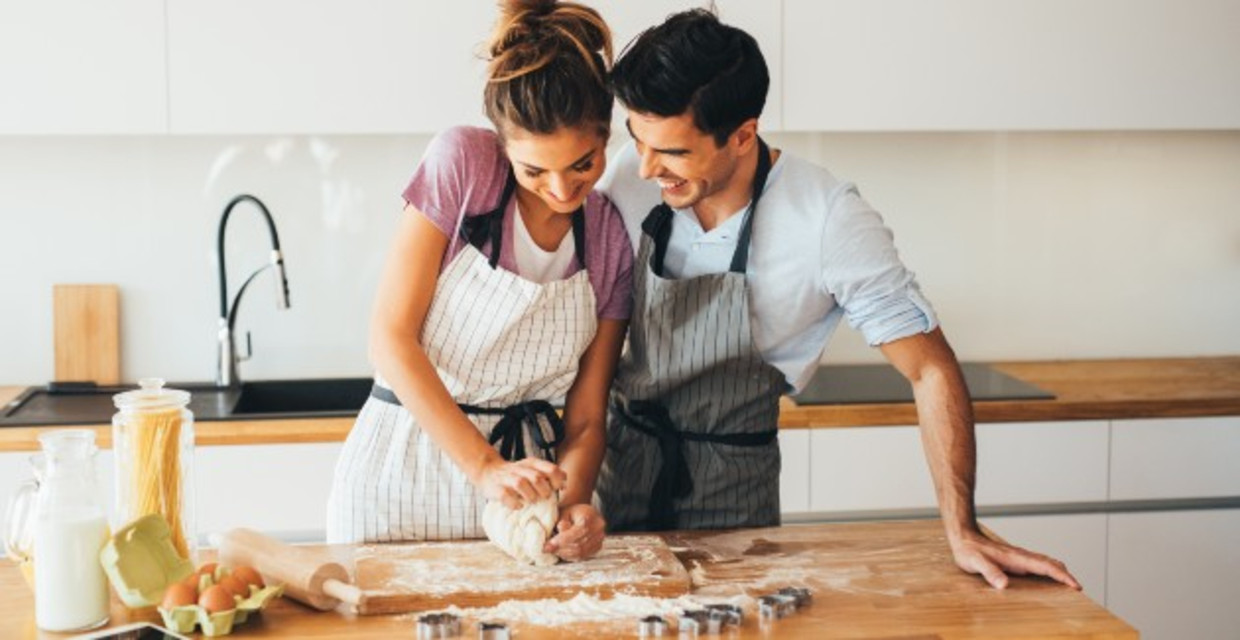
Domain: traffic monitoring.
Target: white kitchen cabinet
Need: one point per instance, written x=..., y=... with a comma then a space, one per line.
x=872, y=65
x=868, y=468
x=1079, y=540
x=1174, y=574
x=794, y=473
x=1175, y=458
x=278, y=489
x=1019, y=463
x=1041, y=462
x=325, y=66
x=82, y=67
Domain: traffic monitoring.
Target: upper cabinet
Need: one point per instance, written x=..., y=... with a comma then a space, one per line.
x=325, y=66
x=857, y=65
x=628, y=18
x=82, y=67
x=415, y=66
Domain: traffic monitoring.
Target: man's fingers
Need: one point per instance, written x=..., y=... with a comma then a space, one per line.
x=991, y=572
x=1044, y=566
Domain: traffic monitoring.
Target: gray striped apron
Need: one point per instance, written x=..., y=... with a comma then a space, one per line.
x=503, y=347
x=691, y=435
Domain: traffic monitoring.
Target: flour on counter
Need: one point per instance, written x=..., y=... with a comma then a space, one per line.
x=586, y=608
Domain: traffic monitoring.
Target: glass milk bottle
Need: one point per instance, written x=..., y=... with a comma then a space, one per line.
x=69, y=530
x=153, y=445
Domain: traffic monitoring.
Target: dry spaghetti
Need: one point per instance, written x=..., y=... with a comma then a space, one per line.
x=154, y=470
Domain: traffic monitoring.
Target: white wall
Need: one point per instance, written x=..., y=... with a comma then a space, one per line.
x=1030, y=245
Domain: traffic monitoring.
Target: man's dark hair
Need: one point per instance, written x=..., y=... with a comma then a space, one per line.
x=693, y=61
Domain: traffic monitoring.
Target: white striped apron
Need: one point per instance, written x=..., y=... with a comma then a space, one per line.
x=497, y=340
x=691, y=440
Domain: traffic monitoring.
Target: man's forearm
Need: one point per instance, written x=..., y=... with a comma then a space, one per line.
x=946, y=419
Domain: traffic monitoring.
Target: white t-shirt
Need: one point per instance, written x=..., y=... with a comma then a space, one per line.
x=533, y=262
x=818, y=252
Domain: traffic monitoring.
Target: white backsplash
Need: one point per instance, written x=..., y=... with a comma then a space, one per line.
x=1030, y=245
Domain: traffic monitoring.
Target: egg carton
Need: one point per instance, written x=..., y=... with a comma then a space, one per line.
x=186, y=618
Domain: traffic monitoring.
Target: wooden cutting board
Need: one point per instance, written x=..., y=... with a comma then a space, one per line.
x=401, y=578
x=86, y=331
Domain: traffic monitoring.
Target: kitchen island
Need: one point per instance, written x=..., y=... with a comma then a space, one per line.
x=870, y=580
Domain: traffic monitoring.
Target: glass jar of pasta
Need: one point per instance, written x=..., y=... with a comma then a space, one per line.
x=153, y=445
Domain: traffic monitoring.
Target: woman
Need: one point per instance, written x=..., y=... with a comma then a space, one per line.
x=508, y=286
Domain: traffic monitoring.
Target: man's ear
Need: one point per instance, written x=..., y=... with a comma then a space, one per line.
x=745, y=138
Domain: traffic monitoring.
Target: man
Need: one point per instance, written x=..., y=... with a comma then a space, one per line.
x=744, y=269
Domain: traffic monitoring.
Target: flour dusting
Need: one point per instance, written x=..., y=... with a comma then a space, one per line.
x=587, y=608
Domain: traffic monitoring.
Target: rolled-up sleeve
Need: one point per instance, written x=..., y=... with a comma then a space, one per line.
x=862, y=270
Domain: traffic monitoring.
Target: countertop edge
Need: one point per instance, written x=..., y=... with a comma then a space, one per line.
x=1084, y=389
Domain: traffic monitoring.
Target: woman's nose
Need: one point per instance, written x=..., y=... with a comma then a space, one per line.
x=561, y=186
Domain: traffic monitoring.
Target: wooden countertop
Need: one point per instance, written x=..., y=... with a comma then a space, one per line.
x=888, y=580
x=1084, y=389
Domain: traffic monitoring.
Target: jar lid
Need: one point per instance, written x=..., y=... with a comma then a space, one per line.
x=151, y=395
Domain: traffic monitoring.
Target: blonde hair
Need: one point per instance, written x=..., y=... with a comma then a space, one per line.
x=548, y=66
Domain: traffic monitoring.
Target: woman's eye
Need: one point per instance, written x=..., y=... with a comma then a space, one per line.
x=532, y=173
x=582, y=168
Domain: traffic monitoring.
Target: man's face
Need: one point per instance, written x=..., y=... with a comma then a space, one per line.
x=686, y=163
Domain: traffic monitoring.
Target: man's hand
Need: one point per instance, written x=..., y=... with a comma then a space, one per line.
x=581, y=530
x=995, y=561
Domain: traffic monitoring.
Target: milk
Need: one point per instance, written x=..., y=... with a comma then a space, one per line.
x=71, y=589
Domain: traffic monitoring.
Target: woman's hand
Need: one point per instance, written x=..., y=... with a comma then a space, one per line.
x=581, y=531
x=522, y=482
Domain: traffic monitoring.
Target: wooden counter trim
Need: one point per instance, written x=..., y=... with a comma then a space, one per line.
x=1084, y=390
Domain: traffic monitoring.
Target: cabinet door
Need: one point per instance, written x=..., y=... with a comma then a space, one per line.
x=1041, y=462
x=867, y=469
x=1175, y=458
x=278, y=489
x=82, y=67
x=856, y=65
x=794, y=476
x=1079, y=540
x=1173, y=574
x=326, y=66
x=628, y=18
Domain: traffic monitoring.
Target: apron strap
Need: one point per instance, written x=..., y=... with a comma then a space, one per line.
x=476, y=230
x=740, y=259
x=658, y=223
x=508, y=430
x=674, y=479
x=527, y=415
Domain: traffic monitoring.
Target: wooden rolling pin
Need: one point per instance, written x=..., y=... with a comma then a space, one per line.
x=309, y=576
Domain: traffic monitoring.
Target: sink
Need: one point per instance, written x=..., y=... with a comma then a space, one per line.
x=254, y=400
x=339, y=395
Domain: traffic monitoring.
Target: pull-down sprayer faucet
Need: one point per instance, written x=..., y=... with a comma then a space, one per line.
x=226, y=373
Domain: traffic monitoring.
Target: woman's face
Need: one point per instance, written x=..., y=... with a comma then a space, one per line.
x=560, y=168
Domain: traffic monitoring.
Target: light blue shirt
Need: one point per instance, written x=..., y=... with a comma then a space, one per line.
x=818, y=253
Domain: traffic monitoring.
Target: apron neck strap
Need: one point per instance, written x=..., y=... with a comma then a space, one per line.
x=740, y=259
x=658, y=224
x=477, y=230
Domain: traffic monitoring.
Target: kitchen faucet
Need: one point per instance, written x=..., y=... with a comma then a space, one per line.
x=226, y=373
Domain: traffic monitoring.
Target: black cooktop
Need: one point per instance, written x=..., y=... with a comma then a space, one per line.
x=876, y=383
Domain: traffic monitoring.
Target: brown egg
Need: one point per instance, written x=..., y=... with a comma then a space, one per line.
x=235, y=586
x=178, y=594
x=249, y=575
x=192, y=581
x=216, y=599
x=208, y=569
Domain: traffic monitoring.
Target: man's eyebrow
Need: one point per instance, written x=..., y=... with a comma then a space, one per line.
x=576, y=162
x=668, y=152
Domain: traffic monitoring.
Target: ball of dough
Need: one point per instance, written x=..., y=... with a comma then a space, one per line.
x=521, y=533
